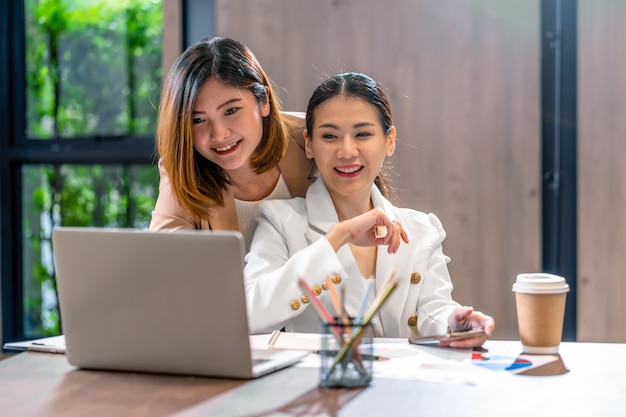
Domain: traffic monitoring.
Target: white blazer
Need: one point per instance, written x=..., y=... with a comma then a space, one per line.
x=289, y=243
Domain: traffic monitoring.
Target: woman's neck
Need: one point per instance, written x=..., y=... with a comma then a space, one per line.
x=249, y=186
x=349, y=207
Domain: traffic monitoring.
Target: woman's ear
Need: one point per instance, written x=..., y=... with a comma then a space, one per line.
x=391, y=140
x=307, y=144
x=265, y=107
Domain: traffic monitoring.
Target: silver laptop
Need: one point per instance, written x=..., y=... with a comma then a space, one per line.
x=163, y=302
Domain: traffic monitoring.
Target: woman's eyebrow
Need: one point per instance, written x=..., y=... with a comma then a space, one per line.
x=363, y=124
x=221, y=106
x=354, y=126
x=229, y=102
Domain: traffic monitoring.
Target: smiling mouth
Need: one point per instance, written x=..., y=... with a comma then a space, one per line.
x=350, y=170
x=226, y=149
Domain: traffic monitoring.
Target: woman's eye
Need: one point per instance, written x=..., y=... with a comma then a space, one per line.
x=363, y=135
x=197, y=120
x=232, y=110
x=328, y=136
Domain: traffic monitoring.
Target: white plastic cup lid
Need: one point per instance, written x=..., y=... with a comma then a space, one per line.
x=540, y=283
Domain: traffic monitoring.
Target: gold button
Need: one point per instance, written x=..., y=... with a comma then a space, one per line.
x=317, y=290
x=295, y=304
x=416, y=278
x=336, y=278
x=325, y=286
x=305, y=299
x=412, y=321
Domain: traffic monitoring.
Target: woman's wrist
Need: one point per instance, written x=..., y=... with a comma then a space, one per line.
x=337, y=236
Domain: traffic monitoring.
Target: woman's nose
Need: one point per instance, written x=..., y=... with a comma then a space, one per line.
x=348, y=148
x=219, y=131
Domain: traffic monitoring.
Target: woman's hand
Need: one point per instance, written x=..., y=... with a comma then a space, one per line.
x=369, y=229
x=465, y=318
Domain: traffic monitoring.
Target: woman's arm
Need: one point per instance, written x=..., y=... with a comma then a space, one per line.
x=279, y=255
x=167, y=213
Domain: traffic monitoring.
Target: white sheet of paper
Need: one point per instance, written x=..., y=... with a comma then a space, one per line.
x=53, y=344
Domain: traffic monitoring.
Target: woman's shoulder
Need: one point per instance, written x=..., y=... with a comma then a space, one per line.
x=298, y=170
x=294, y=119
x=419, y=220
x=295, y=125
x=411, y=219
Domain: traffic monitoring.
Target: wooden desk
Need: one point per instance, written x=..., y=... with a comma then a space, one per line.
x=40, y=384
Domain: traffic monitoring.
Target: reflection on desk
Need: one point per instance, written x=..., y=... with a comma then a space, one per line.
x=587, y=379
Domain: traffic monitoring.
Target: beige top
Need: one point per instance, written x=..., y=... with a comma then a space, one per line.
x=246, y=210
x=297, y=170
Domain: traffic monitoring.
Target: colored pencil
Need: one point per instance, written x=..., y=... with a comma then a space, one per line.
x=367, y=318
x=321, y=310
x=315, y=302
x=334, y=297
x=366, y=296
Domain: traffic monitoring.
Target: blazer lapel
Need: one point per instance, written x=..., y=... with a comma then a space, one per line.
x=320, y=210
x=385, y=262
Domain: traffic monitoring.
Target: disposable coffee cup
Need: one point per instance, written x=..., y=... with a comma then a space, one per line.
x=540, y=301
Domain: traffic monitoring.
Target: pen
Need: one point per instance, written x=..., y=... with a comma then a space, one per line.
x=273, y=338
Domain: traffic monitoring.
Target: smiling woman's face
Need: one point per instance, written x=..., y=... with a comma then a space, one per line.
x=349, y=145
x=227, y=124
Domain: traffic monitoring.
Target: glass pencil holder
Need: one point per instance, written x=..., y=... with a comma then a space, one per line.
x=346, y=354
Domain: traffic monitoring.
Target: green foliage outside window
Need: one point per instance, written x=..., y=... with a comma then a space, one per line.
x=93, y=70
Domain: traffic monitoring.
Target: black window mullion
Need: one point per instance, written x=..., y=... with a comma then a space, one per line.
x=559, y=147
x=12, y=123
x=85, y=151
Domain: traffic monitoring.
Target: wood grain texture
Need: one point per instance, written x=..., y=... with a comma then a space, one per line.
x=172, y=33
x=463, y=80
x=601, y=170
x=44, y=384
x=40, y=384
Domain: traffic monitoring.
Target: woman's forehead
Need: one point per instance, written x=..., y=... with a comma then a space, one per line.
x=344, y=110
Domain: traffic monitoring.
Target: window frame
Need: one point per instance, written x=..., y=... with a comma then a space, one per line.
x=16, y=150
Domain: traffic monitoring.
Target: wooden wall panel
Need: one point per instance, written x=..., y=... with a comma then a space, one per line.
x=601, y=171
x=172, y=33
x=463, y=80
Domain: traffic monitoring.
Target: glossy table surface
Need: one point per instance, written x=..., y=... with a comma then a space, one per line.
x=587, y=379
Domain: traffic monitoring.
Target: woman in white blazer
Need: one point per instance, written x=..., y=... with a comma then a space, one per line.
x=331, y=232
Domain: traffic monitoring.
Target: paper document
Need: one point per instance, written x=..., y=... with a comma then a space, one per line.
x=54, y=344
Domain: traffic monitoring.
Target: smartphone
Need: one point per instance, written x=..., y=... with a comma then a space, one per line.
x=449, y=337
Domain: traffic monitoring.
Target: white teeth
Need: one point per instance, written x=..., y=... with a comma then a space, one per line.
x=226, y=148
x=348, y=170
